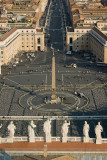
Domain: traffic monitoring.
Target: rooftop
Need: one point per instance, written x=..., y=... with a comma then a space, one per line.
x=69, y=29
x=50, y=157
x=100, y=33
x=7, y=34
x=83, y=27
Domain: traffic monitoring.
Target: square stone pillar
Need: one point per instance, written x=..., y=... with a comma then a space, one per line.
x=10, y=139
x=85, y=139
x=31, y=139
x=64, y=139
x=99, y=141
x=48, y=139
x=45, y=150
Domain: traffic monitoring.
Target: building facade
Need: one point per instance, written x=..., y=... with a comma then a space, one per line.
x=78, y=39
x=87, y=38
x=20, y=39
x=98, y=44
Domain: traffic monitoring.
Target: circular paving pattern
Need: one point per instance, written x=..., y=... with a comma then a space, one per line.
x=71, y=102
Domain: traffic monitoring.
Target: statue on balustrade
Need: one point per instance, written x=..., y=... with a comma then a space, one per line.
x=64, y=130
x=98, y=130
x=47, y=130
x=86, y=132
x=31, y=130
x=1, y=125
x=11, y=129
x=86, y=129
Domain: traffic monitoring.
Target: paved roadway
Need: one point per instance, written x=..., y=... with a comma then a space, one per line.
x=55, y=26
x=37, y=73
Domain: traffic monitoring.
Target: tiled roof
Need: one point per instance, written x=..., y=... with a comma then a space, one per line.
x=81, y=27
x=100, y=33
x=102, y=22
x=7, y=34
x=69, y=29
x=39, y=30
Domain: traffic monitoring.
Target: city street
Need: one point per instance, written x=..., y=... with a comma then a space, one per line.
x=55, y=26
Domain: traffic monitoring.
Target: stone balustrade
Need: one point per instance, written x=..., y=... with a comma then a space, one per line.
x=53, y=139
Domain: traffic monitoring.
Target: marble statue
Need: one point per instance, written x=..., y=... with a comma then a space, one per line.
x=47, y=130
x=98, y=130
x=31, y=131
x=1, y=125
x=86, y=132
x=64, y=131
x=11, y=128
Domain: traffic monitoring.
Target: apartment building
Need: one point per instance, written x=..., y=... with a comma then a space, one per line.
x=102, y=25
x=78, y=39
x=20, y=39
x=98, y=44
x=87, y=38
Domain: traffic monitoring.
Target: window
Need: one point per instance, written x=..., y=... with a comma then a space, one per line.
x=70, y=40
x=22, y=46
x=1, y=54
x=70, y=48
x=38, y=40
x=26, y=31
x=32, y=46
x=27, y=46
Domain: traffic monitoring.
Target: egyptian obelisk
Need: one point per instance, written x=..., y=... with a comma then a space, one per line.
x=53, y=78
